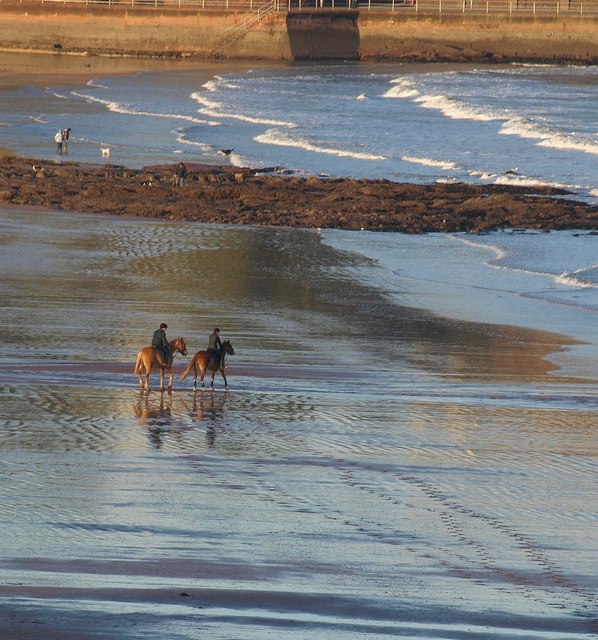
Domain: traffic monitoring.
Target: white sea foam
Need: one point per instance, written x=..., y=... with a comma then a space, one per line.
x=404, y=89
x=60, y=96
x=212, y=85
x=523, y=129
x=237, y=160
x=400, y=92
x=274, y=137
x=181, y=139
x=570, y=144
x=547, y=138
x=498, y=252
x=428, y=162
x=585, y=278
x=118, y=107
x=451, y=108
x=483, y=175
x=459, y=110
x=217, y=83
x=455, y=109
x=527, y=181
x=205, y=102
x=95, y=83
x=361, y=96
x=218, y=110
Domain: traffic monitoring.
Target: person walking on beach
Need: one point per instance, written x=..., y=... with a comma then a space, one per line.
x=215, y=346
x=180, y=175
x=160, y=344
x=58, y=138
x=66, y=134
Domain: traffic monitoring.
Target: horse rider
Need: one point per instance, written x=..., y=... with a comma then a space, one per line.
x=215, y=346
x=160, y=344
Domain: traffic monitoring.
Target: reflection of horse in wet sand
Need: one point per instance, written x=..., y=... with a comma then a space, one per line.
x=204, y=361
x=155, y=414
x=148, y=357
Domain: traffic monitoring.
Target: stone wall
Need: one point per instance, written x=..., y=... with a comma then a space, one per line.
x=480, y=36
x=306, y=35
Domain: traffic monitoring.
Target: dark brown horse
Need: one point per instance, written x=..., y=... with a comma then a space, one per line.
x=204, y=361
x=148, y=356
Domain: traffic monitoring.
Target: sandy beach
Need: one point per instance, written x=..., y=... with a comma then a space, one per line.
x=18, y=68
x=369, y=461
x=376, y=470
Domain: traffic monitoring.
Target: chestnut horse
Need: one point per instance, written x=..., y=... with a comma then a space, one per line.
x=204, y=361
x=148, y=356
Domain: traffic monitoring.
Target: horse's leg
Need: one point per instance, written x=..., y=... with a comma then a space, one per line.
x=171, y=378
x=148, y=370
x=223, y=377
x=194, y=375
x=161, y=378
x=202, y=373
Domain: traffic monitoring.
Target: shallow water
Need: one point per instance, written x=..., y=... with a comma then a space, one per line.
x=373, y=471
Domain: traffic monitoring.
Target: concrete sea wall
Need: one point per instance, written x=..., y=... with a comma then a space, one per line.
x=297, y=35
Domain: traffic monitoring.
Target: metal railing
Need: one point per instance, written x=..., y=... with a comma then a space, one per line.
x=519, y=7
x=240, y=28
x=261, y=8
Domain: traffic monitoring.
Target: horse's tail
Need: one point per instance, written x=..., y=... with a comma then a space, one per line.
x=187, y=370
x=137, y=369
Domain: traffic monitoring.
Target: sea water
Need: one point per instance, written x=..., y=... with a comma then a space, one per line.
x=547, y=281
x=508, y=124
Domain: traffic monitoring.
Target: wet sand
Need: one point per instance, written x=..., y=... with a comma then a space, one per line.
x=23, y=68
x=374, y=471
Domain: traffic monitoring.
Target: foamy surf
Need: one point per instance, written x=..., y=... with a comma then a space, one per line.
x=428, y=162
x=547, y=138
x=584, y=278
x=218, y=83
x=403, y=89
x=456, y=109
x=118, y=107
x=217, y=110
x=528, y=181
x=279, y=139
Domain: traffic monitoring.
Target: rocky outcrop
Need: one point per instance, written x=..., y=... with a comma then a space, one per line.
x=244, y=196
